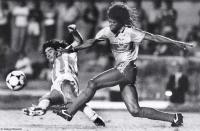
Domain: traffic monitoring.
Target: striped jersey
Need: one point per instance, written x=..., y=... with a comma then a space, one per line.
x=65, y=65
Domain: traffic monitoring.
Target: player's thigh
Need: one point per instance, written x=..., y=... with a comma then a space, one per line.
x=54, y=96
x=108, y=78
x=130, y=72
x=69, y=91
x=129, y=96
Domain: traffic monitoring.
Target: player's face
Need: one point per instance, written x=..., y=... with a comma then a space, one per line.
x=50, y=54
x=114, y=25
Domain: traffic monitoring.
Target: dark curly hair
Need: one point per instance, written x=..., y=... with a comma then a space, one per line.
x=56, y=44
x=120, y=12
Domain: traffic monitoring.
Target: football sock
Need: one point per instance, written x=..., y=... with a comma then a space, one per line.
x=92, y=115
x=44, y=104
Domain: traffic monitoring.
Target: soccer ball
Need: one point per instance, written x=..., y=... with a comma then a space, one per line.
x=16, y=80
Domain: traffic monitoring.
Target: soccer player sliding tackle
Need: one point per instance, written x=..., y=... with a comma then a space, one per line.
x=124, y=39
x=64, y=78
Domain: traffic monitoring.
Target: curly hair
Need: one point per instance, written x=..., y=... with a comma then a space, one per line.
x=120, y=12
x=55, y=44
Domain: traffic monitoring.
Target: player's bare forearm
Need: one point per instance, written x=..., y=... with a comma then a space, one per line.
x=87, y=44
x=163, y=39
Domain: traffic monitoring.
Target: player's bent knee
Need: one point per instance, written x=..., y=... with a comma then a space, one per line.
x=92, y=85
x=66, y=83
x=135, y=111
x=56, y=97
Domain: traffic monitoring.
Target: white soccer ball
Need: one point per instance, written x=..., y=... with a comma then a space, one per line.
x=16, y=80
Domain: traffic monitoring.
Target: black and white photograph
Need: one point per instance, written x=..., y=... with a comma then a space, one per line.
x=99, y=65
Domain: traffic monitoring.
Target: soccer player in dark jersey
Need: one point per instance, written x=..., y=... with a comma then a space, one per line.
x=124, y=39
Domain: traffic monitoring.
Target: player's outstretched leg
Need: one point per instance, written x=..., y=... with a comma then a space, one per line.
x=40, y=109
x=129, y=95
x=61, y=110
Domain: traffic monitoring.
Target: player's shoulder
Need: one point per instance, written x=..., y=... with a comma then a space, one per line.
x=106, y=30
x=132, y=29
x=104, y=33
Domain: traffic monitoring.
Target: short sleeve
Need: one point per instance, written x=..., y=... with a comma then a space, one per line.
x=103, y=33
x=137, y=35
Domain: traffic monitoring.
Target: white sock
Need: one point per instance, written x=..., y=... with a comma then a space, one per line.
x=44, y=104
x=91, y=114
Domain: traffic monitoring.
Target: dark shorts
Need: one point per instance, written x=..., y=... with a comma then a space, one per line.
x=129, y=71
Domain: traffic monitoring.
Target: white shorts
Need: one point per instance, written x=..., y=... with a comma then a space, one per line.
x=58, y=82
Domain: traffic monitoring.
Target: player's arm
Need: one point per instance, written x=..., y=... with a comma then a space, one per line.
x=100, y=39
x=163, y=39
x=77, y=36
x=87, y=44
x=78, y=41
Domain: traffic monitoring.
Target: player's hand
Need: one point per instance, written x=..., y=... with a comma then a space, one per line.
x=186, y=45
x=71, y=28
x=68, y=49
x=77, y=36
